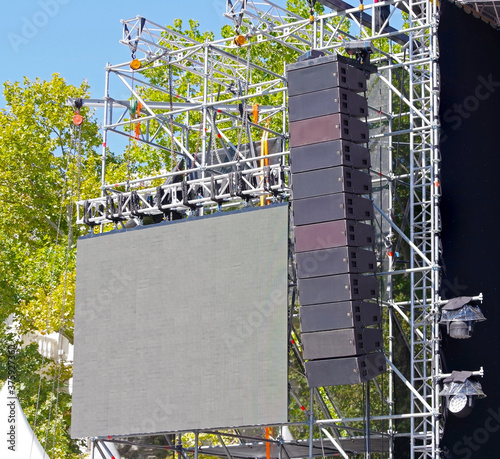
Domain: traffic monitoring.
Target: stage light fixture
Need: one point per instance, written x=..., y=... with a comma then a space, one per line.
x=461, y=392
x=457, y=404
x=460, y=317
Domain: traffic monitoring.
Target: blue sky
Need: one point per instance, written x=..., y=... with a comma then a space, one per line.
x=76, y=38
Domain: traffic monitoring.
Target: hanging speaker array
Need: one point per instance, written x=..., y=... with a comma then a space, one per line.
x=333, y=230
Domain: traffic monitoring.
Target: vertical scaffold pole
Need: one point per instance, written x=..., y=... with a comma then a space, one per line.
x=311, y=424
x=196, y=438
x=367, y=422
x=107, y=121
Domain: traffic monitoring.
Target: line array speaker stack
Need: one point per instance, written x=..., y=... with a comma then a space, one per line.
x=333, y=233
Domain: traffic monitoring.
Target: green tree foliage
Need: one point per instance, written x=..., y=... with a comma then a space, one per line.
x=42, y=390
x=46, y=163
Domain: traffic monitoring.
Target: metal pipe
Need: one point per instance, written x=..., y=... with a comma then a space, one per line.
x=194, y=169
x=204, y=113
x=404, y=271
x=367, y=420
x=374, y=418
x=311, y=424
x=405, y=238
x=480, y=372
x=105, y=131
x=335, y=443
x=410, y=386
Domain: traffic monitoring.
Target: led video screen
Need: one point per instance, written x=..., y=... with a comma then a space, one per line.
x=182, y=325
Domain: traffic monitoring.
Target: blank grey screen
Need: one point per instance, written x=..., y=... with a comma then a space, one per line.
x=182, y=326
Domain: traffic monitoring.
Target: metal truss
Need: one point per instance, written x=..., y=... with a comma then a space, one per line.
x=425, y=227
x=218, y=155
x=217, y=191
x=487, y=11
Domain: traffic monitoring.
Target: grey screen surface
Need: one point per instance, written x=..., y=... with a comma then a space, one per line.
x=182, y=326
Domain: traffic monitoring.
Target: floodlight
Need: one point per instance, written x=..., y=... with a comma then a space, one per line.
x=458, y=404
x=461, y=392
x=459, y=317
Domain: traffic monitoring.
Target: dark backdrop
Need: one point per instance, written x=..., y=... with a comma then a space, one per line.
x=470, y=102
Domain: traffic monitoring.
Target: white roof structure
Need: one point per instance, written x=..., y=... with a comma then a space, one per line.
x=18, y=440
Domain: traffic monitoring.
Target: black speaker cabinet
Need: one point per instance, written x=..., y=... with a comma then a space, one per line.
x=334, y=316
x=333, y=234
x=331, y=207
x=329, y=181
x=324, y=73
x=343, y=371
x=329, y=154
x=341, y=343
x=341, y=287
x=327, y=102
x=326, y=128
x=337, y=260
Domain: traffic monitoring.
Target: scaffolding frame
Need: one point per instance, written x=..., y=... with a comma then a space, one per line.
x=245, y=175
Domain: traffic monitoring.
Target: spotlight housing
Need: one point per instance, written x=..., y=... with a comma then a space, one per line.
x=461, y=392
x=459, y=405
x=460, y=317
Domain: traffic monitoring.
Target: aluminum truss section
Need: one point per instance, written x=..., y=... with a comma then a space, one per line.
x=424, y=227
x=267, y=21
x=212, y=191
x=487, y=11
x=204, y=135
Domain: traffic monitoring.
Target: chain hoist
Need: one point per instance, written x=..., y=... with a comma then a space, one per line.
x=311, y=4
